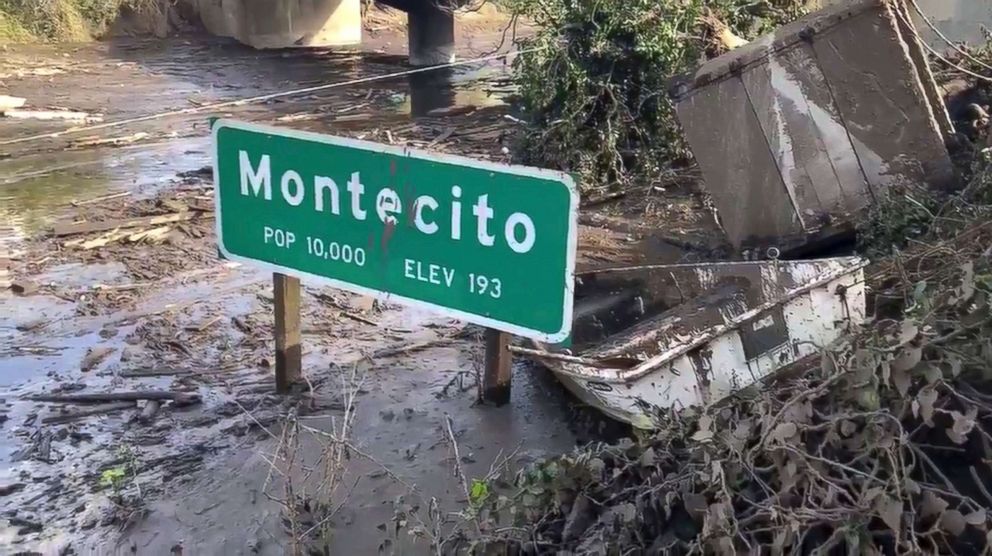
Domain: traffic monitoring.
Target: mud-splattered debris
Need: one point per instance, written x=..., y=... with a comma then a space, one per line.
x=8, y=489
x=95, y=356
x=8, y=103
x=24, y=287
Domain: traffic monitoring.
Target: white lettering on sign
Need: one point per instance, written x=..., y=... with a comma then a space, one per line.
x=387, y=205
x=425, y=201
x=258, y=179
x=356, y=189
x=429, y=273
x=321, y=184
x=519, y=232
x=484, y=214
x=456, y=213
x=527, y=243
x=294, y=179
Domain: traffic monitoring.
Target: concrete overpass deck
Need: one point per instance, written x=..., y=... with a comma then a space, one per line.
x=328, y=23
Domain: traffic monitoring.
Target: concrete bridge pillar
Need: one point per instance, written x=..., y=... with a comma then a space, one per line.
x=431, y=34
x=284, y=23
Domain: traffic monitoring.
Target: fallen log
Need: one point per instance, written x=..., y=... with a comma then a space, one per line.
x=72, y=228
x=99, y=410
x=179, y=398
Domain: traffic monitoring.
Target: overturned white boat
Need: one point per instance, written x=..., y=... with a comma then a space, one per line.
x=674, y=336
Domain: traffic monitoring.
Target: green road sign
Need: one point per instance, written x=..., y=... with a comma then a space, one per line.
x=487, y=243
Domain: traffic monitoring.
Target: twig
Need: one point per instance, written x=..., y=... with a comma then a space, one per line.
x=357, y=318
x=459, y=472
x=940, y=474
x=980, y=484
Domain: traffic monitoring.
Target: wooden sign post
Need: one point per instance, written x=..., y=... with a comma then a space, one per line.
x=498, y=372
x=289, y=350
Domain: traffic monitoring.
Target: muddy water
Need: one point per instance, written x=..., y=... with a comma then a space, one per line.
x=222, y=506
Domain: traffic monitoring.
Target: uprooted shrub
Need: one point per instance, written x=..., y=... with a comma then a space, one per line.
x=594, y=78
x=881, y=446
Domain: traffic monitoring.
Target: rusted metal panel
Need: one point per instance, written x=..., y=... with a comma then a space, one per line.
x=842, y=110
x=742, y=176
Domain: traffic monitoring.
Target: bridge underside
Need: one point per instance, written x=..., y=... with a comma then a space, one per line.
x=293, y=23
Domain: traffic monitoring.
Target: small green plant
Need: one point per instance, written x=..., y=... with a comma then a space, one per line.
x=478, y=493
x=117, y=478
x=114, y=478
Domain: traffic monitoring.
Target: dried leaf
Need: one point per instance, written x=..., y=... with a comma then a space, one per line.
x=908, y=332
x=890, y=510
x=704, y=433
x=976, y=518
x=912, y=486
x=963, y=425
x=955, y=365
x=932, y=504
x=648, y=458
x=702, y=436
x=926, y=398
x=827, y=365
x=901, y=380
x=909, y=357
x=932, y=372
x=695, y=505
x=953, y=522
x=784, y=433
x=967, y=288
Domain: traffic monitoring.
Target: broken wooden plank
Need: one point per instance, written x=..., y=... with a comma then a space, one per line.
x=48, y=115
x=72, y=228
x=98, y=410
x=612, y=363
x=97, y=141
x=180, y=398
x=409, y=348
x=101, y=199
x=98, y=242
x=154, y=235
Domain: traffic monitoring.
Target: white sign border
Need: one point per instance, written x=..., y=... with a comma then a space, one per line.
x=550, y=175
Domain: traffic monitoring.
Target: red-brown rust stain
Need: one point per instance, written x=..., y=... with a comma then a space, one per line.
x=387, y=234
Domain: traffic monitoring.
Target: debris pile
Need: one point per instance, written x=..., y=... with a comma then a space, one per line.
x=883, y=447
x=880, y=447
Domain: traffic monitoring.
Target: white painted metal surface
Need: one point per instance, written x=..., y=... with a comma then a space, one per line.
x=737, y=323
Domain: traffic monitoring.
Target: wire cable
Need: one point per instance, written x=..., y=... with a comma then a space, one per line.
x=261, y=98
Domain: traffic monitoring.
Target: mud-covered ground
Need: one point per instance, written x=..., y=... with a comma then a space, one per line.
x=152, y=307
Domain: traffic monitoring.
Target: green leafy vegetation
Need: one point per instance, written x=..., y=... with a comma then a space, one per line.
x=594, y=78
x=61, y=20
